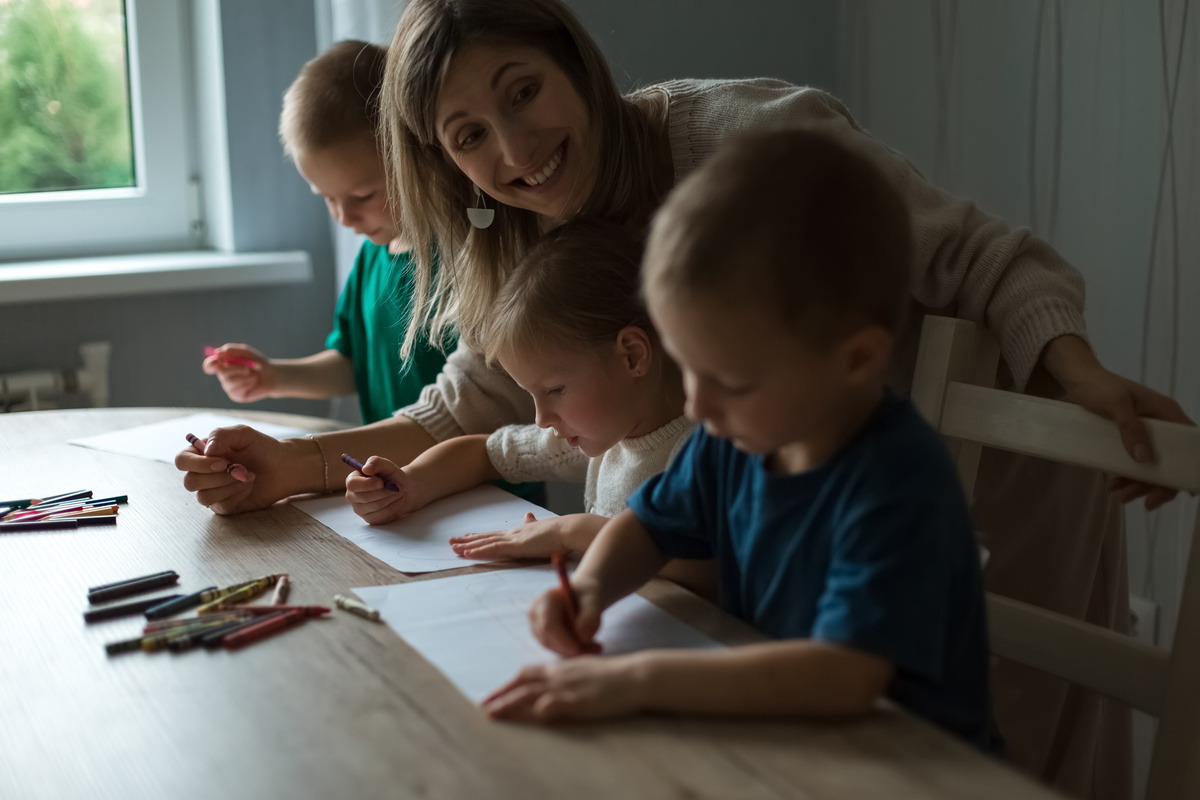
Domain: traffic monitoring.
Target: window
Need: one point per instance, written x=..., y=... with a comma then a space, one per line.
x=94, y=152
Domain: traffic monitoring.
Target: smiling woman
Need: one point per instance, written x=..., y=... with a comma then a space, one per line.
x=522, y=101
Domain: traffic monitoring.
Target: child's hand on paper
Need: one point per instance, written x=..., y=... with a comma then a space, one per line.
x=553, y=625
x=578, y=688
x=533, y=539
x=245, y=374
x=376, y=504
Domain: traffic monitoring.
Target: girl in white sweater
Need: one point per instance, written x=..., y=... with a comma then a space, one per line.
x=570, y=329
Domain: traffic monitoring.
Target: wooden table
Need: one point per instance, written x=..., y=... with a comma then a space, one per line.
x=344, y=708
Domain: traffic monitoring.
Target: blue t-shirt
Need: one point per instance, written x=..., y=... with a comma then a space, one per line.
x=872, y=550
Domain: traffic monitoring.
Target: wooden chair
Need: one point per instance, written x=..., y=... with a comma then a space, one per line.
x=951, y=387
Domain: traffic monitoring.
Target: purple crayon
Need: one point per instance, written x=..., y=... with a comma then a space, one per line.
x=358, y=465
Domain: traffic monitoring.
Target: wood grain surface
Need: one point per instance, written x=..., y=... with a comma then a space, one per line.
x=344, y=708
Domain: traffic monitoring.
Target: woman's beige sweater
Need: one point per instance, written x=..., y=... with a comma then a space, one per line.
x=966, y=263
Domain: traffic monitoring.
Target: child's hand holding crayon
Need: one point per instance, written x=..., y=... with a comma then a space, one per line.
x=565, y=619
x=245, y=374
x=371, y=499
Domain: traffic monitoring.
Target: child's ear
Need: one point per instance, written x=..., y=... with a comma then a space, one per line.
x=866, y=353
x=634, y=348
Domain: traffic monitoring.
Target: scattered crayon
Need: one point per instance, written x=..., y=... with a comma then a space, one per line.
x=217, y=636
x=356, y=607
x=308, y=611
x=131, y=580
x=247, y=592
x=268, y=626
x=179, y=603
x=125, y=609
x=283, y=587
x=169, y=624
x=101, y=594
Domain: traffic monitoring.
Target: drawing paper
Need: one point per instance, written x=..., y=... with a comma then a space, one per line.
x=161, y=441
x=421, y=541
x=473, y=627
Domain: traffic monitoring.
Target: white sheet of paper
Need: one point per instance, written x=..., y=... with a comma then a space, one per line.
x=421, y=541
x=473, y=627
x=161, y=441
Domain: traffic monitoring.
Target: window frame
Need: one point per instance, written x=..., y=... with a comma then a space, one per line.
x=158, y=213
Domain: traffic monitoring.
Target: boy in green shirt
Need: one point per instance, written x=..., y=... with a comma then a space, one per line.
x=328, y=128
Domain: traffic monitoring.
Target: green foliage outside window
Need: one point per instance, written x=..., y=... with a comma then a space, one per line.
x=64, y=98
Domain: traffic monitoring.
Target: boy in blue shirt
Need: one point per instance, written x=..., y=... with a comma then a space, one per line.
x=777, y=275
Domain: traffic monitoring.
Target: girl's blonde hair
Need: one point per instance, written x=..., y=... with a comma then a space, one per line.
x=473, y=264
x=578, y=286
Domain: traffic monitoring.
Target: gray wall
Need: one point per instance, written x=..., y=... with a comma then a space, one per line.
x=647, y=41
x=158, y=340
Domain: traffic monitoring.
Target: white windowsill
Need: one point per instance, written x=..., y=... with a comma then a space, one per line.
x=81, y=278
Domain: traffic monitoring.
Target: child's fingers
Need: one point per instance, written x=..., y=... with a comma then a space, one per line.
x=529, y=517
x=380, y=466
x=493, y=549
x=555, y=704
x=364, y=484
x=550, y=623
x=587, y=622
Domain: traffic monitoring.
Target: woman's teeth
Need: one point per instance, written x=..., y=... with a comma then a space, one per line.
x=538, y=178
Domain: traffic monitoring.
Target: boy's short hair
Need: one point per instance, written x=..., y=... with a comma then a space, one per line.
x=335, y=97
x=578, y=285
x=795, y=222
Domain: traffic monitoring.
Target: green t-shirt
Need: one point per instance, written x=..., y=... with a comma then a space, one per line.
x=369, y=326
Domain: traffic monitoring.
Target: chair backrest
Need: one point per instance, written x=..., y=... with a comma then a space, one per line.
x=952, y=388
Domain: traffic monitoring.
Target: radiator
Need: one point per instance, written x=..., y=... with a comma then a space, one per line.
x=38, y=390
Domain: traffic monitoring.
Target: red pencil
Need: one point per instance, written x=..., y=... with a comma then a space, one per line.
x=252, y=633
x=560, y=564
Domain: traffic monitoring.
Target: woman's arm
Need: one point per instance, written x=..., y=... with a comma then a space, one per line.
x=281, y=468
x=468, y=397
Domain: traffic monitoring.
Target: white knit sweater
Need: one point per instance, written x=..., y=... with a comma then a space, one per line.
x=529, y=453
x=966, y=263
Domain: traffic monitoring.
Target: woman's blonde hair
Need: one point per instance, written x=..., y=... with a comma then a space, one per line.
x=473, y=264
x=578, y=286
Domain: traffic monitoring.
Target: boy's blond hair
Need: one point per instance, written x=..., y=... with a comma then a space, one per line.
x=334, y=99
x=791, y=221
x=578, y=286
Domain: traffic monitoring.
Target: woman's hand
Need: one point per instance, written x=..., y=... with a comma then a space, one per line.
x=245, y=374
x=271, y=469
x=579, y=688
x=533, y=539
x=1125, y=402
x=377, y=505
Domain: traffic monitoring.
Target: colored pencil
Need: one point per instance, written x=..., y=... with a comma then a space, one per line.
x=39, y=525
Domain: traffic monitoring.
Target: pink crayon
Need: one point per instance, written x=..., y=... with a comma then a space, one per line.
x=209, y=352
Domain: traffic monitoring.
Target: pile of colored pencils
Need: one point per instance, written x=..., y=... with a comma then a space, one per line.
x=58, y=512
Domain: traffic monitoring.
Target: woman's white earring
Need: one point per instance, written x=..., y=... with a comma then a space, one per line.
x=482, y=216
